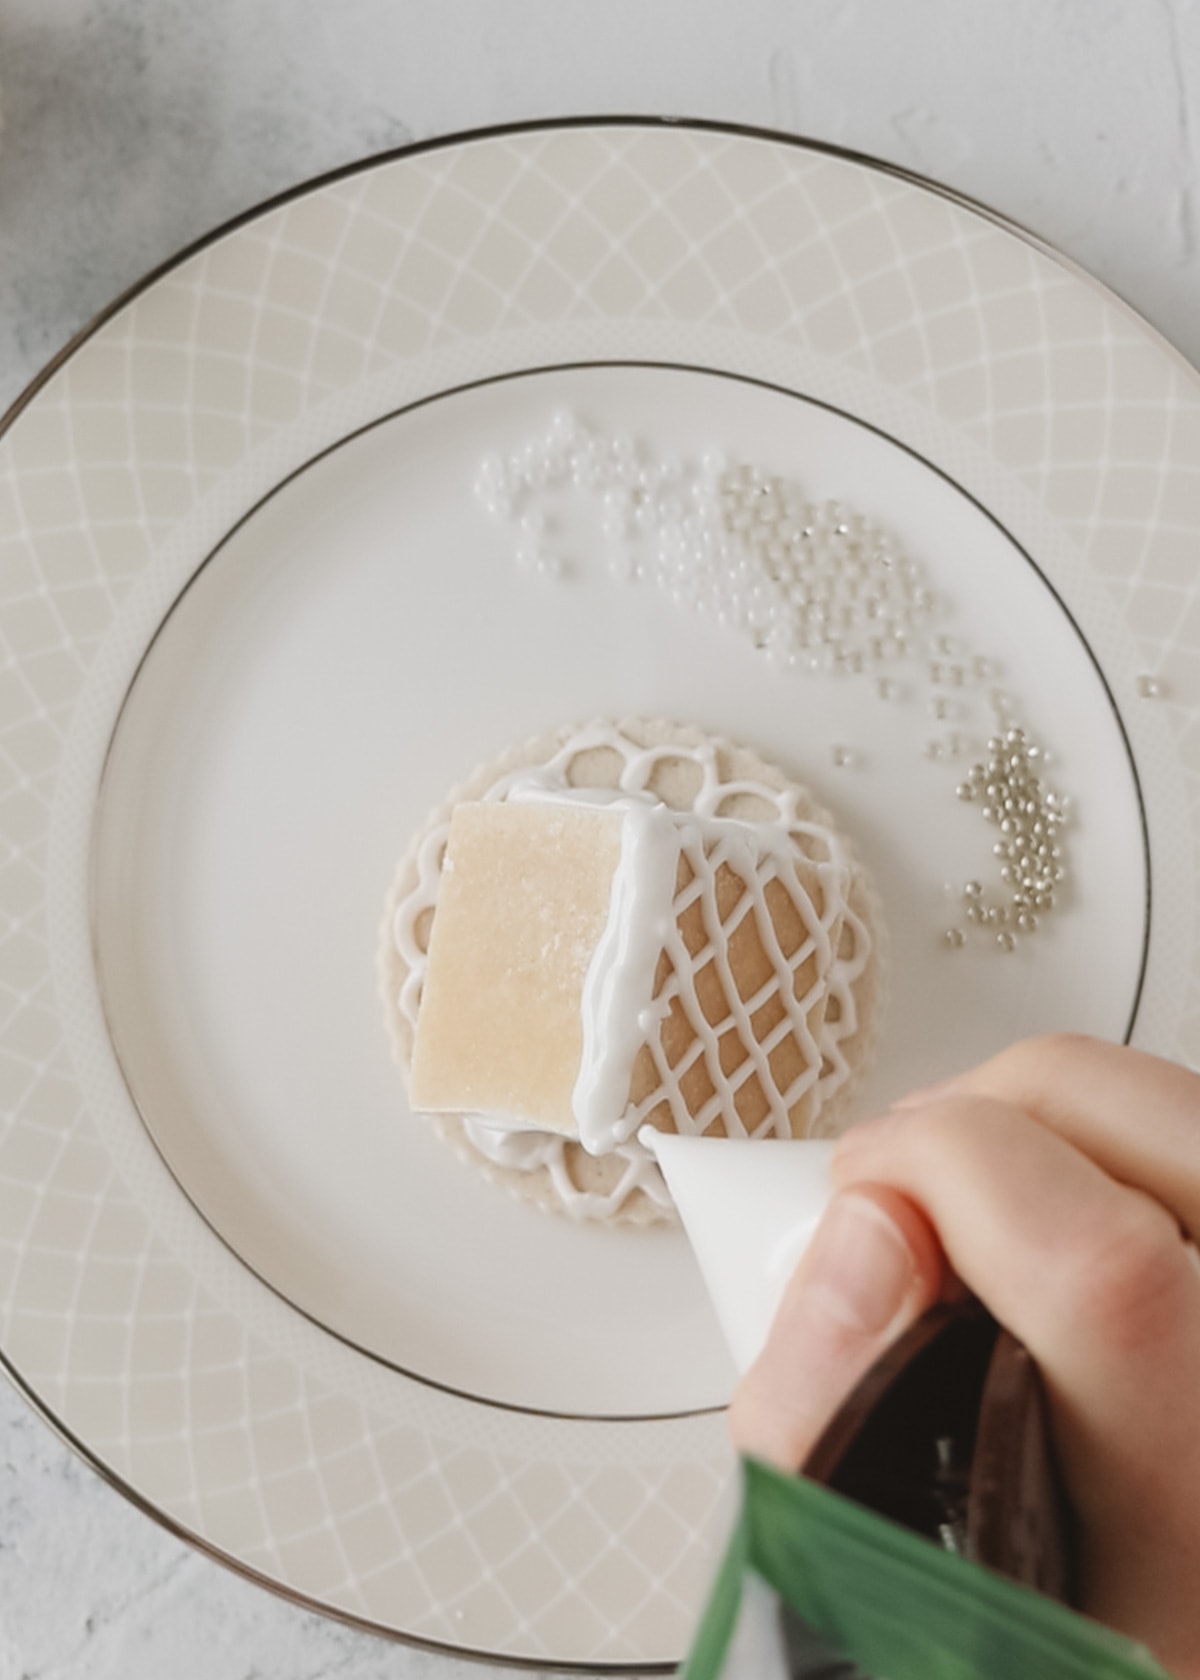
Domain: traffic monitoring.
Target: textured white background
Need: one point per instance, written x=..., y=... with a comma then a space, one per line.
x=133, y=126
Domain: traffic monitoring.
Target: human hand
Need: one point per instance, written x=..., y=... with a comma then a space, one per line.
x=1060, y=1183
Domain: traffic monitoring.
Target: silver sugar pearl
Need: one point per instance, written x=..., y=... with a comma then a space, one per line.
x=954, y=938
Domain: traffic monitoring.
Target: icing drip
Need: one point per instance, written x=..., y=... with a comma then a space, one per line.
x=620, y=978
x=616, y=984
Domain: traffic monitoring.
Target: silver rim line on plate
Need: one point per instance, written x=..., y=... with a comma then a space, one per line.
x=244, y=219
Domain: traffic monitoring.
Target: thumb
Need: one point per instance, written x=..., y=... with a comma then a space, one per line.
x=872, y=1268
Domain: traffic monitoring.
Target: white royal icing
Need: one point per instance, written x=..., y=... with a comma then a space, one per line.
x=619, y=984
x=527, y=1151
x=643, y=922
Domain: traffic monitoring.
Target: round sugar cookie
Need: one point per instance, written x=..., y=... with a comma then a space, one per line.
x=679, y=765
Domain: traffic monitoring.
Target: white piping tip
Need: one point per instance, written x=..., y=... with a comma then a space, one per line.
x=749, y=1207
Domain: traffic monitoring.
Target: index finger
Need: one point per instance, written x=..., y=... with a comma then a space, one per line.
x=1136, y=1116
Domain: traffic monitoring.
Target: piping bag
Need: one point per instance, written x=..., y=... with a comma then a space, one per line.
x=928, y=1535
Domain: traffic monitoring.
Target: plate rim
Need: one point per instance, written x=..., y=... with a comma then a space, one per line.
x=535, y=125
x=244, y=218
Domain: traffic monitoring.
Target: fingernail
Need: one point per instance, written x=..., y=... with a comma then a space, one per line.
x=929, y=1093
x=859, y=1270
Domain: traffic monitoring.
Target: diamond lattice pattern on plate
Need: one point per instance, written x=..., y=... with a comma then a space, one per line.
x=377, y=1506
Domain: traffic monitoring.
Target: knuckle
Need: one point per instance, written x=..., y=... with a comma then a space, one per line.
x=1132, y=1285
x=763, y=1425
x=933, y=1131
x=1029, y=1056
x=742, y=1418
x=1062, y=1043
x=948, y=1134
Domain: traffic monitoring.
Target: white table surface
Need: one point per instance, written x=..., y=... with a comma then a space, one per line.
x=133, y=126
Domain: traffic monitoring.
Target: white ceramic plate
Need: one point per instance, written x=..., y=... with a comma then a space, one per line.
x=255, y=624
